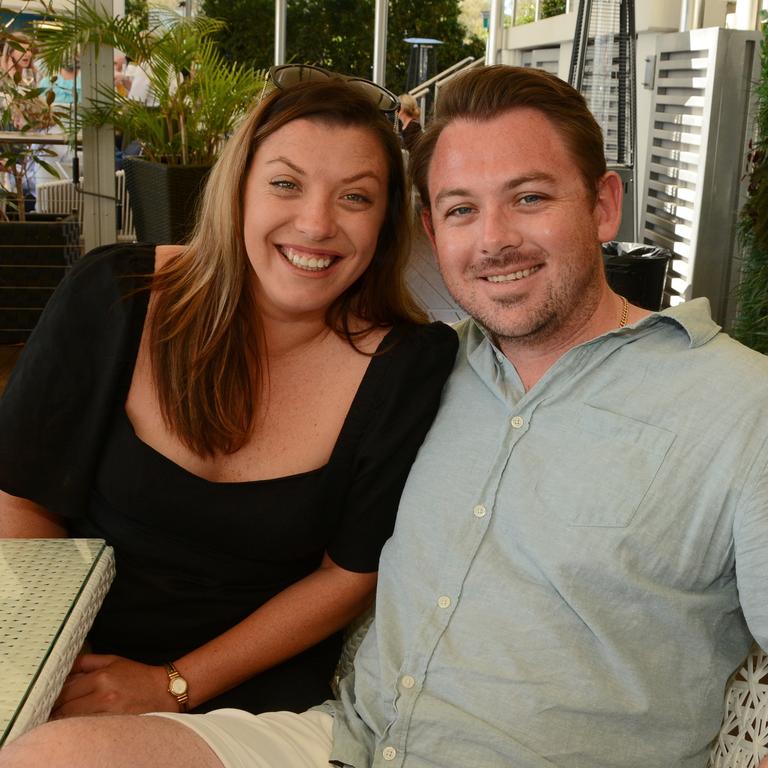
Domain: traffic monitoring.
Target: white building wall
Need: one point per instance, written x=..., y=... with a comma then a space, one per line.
x=652, y=17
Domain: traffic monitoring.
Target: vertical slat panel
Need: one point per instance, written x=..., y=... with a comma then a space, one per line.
x=696, y=146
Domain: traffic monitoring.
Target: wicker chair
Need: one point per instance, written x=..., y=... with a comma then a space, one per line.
x=743, y=737
x=63, y=197
x=60, y=197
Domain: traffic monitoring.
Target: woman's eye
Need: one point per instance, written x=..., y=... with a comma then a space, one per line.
x=356, y=197
x=282, y=184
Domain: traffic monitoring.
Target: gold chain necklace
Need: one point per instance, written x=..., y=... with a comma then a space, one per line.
x=624, y=312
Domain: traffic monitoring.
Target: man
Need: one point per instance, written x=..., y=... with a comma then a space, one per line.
x=561, y=587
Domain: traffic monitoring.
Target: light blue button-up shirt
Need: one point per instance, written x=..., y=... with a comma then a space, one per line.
x=572, y=566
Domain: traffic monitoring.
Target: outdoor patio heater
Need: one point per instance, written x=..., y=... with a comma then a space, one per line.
x=603, y=70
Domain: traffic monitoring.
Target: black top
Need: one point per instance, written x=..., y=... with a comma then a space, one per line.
x=194, y=557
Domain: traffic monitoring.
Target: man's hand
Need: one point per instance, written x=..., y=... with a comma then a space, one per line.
x=763, y=763
x=112, y=684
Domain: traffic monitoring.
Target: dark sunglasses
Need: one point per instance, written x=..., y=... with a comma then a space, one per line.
x=286, y=75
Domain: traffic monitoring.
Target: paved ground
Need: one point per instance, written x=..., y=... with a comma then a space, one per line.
x=424, y=280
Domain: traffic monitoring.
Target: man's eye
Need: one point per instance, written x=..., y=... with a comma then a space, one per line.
x=531, y=199
x=460, y=210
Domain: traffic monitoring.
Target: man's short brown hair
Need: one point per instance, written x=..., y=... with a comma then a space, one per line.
x=484, y=93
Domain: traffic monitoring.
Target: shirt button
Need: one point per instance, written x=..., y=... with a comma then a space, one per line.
x=389, y=753
x=408, y=681
x=517, y=422
x=479, y=511
x=444, y=601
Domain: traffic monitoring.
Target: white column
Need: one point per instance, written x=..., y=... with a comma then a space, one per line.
x=380, y=42
x=746, y=14
x=281, y=15
x=98, y=169
x=495, y=27
x=698, y=14
x=684, y=16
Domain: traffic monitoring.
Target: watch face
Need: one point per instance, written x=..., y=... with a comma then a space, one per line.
x=178, y=686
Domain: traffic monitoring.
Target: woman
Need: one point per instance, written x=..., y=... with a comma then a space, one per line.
x=241, y=432
x=408, y=115
x=17, y=60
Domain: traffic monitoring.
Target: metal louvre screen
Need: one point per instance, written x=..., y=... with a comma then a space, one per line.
x=701, y=123
x=676, y=165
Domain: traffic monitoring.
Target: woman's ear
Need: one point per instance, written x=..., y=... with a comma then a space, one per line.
x=610, y=193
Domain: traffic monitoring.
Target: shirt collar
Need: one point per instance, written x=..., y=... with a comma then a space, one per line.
x=693, y=317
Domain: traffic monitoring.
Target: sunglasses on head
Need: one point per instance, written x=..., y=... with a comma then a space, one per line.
x=286, y=75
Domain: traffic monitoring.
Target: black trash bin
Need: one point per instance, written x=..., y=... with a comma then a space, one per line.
x=637, y=271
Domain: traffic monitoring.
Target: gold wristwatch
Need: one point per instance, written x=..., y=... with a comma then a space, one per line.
x=177, y=686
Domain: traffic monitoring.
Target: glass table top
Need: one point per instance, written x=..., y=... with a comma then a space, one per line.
x=43, y=583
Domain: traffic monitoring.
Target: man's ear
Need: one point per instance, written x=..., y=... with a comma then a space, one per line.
x=426, y=222
x=610, y=193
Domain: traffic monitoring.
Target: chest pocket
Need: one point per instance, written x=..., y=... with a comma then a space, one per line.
x=602, y=468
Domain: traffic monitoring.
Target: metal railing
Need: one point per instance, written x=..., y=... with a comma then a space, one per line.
x=426, y=93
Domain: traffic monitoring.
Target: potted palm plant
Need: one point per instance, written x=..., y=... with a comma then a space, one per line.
x=195, y=100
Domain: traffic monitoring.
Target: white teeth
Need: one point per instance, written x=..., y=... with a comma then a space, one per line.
x=512, y=276
x=311, y=264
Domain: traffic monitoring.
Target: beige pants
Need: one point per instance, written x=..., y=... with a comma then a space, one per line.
x=270, y=740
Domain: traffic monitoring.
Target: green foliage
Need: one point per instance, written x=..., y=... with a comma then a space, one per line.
x=751, y=326
x=200, y=96
x=139, y=9
x=439, y=20
x=526, y=13
x=338, y=34
x=552, y=8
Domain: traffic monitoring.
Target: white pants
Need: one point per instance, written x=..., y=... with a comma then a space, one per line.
x=269, y=740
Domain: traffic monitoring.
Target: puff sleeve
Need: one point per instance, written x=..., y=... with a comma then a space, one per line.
x=399, y=397
x=62, y=389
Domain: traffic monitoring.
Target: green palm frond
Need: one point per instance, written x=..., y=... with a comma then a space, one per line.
x=200, y=96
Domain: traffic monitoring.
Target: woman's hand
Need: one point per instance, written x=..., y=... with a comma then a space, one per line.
x=295, y=619
x=100, y=683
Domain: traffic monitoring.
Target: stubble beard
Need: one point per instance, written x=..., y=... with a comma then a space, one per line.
x=565, y=308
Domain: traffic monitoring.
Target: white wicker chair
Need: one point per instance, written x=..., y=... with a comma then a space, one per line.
x=63, y=197
x=59, y=197
x=743, y=737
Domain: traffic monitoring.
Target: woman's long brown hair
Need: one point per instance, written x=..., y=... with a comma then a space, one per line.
x=205, y=339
